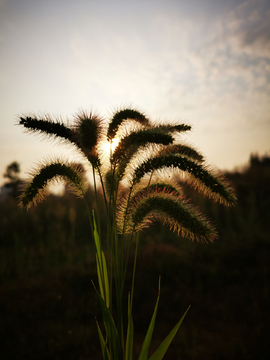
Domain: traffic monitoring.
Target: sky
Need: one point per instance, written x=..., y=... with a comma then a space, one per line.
x=204, y=62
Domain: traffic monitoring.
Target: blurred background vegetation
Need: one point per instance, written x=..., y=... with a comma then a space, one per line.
x=47, y=302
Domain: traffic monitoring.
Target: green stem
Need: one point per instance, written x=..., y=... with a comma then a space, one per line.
x=149, y=182
x=103, y=190
x=126, y=211
x=134, y=271
x=89, y=215
x=95, y=187
x=109, y=236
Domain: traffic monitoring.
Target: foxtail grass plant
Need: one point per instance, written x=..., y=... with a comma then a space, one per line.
x=139, y=166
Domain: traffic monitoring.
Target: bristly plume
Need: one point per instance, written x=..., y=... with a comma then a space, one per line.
x=137, y=139
x=46, y=126
x=89, y=129
x=129, y=145
x=182, y=150
x=120, y=116
x=35, y=189
x=173, y=128
x=172, y=211
x=127, y=204
x=199, y=178
x=156, y=188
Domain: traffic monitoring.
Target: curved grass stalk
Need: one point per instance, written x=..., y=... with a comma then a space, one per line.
x=47, y=127
x=35, y=190
x=200, y=178
x=120, y=116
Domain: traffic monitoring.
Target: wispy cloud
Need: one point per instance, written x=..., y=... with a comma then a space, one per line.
x=235, y=59
x=250, y=24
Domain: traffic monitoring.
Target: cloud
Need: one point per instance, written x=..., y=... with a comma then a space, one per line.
x=250, y=24
x=221, y=83
x=237, y=57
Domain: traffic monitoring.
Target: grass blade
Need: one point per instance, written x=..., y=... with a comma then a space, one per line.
x=130, y=333
x=163, y=347
x=104, y=348
x=101, y=267
x=111, y=331
x=144, y=351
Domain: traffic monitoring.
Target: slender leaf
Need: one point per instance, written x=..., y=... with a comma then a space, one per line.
x=148, y=337
x=130, y=333
x=101, y=267
x=112, y=334
x=104, y=348
x=163, y=347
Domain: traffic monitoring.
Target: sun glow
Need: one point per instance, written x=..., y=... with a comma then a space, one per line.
x=110, y=146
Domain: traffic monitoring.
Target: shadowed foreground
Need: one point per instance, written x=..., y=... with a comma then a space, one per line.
x=48, y=305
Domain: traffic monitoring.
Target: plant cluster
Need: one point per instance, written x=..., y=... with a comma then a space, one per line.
x=139, y=166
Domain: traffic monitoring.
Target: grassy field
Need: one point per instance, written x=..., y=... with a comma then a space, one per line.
x=47, y=302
